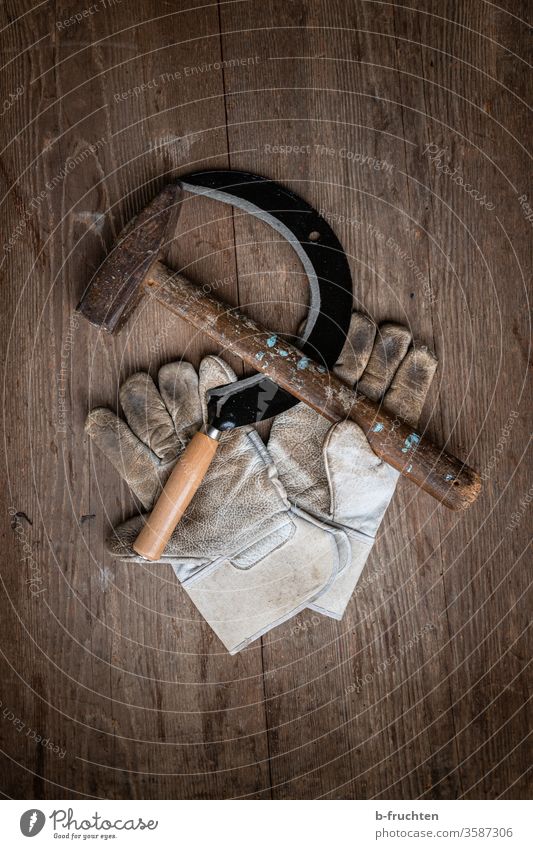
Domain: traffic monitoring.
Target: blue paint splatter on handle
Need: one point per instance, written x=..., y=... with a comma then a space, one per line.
x=260, y=355
x=411, y=442
x=303, y=363
x=449, y=477
x=283, y=353
x=377, y=428
x=272, y=341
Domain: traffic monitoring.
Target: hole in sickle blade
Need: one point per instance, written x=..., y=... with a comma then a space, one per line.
x=314, y=236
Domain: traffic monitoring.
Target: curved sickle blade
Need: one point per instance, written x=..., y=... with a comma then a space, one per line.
x=256, y=398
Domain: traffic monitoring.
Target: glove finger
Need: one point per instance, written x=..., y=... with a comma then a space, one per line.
x=361, y=485
x=411, y=384
x=389, y=350
x=134, y=462
x=178, y=385
x=213, y=372
x=357, y=349
x=148, y=417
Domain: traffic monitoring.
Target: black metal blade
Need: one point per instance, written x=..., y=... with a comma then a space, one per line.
x=257, y=398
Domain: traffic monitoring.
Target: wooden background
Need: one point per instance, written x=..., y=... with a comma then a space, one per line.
x=421, y=691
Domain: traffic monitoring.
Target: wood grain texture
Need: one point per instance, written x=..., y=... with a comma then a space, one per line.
x=422, y=689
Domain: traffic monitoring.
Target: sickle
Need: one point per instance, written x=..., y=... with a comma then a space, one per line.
x=257, y=398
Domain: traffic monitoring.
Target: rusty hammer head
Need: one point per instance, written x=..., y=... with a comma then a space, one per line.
x=116, y=289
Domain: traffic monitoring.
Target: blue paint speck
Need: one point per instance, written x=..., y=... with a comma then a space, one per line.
x=411, y=442
x=260, y=355
x=303, y=363
x=377, y=428
x=283, y=353
x=449, y=477
x=321, y=369
x=272, y=341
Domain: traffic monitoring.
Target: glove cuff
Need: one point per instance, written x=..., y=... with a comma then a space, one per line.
x=334, y=601
x=243, y=605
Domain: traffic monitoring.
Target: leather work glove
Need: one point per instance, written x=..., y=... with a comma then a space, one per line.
x=330, y=471
x=247, y=558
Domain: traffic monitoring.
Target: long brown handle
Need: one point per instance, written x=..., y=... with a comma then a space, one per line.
x=431, y=468
x=186, y=477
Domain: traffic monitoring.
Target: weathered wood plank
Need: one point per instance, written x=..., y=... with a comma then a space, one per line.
x=141, y=696
x=421, y=691
x=335, y=83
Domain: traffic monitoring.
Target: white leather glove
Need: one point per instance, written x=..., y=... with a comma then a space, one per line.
x=247, y=558
x=330, y=471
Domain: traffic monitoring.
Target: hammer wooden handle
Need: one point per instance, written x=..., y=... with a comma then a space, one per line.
x=433, y=469
x=178, y=492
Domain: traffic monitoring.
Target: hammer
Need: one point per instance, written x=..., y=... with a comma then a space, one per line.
x=285, y=373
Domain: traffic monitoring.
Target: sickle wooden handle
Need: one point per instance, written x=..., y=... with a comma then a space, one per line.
x=186, y=477
x=433, y=469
